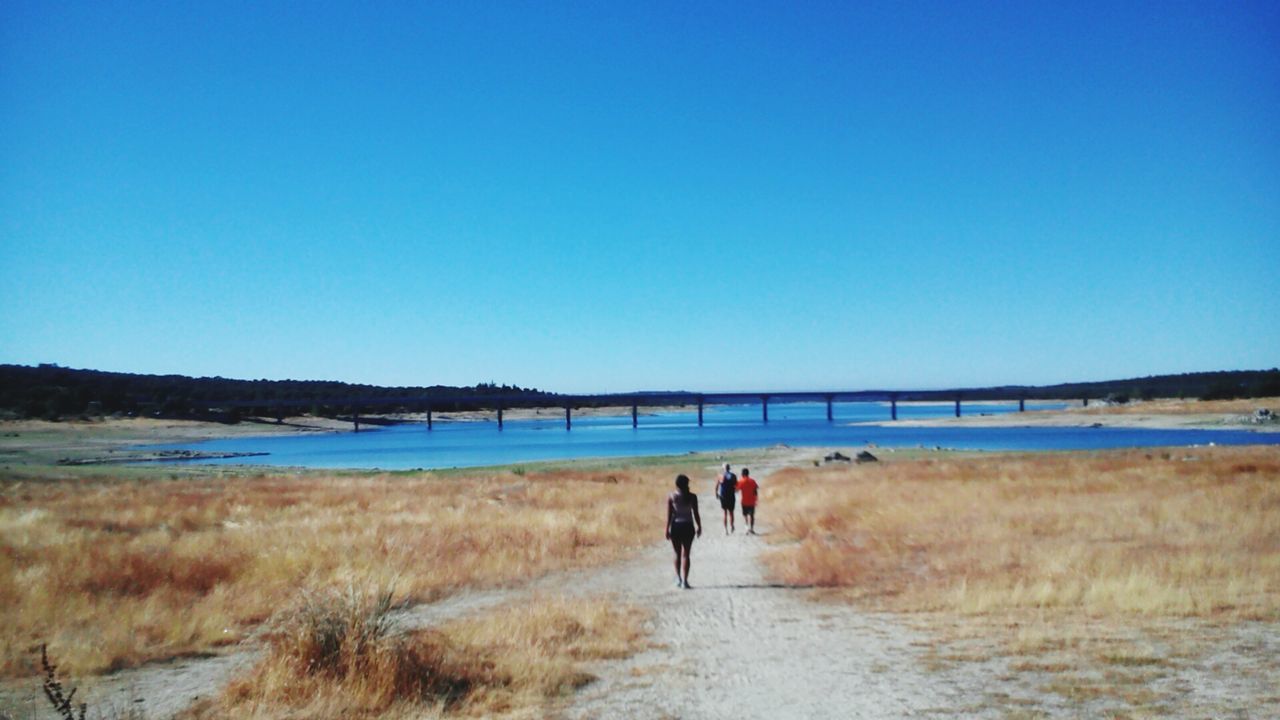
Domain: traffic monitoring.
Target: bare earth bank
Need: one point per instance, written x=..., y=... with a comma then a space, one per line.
x=1154, y=414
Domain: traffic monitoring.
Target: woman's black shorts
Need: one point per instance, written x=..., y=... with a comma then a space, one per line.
x=682, y=534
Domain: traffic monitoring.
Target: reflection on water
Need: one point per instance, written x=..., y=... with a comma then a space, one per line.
x=469, y=444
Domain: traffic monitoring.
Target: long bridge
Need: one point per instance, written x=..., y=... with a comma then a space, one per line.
x=355, y=407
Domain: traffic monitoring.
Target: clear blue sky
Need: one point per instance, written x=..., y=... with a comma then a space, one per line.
x=636, y=195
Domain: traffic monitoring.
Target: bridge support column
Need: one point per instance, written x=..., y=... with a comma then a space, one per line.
x=893, y=408
x=699, y=412
x=764, y=406
x=957, y=407
x=568, y=418
x=499, y=417
x=428, y=418
x=355, y=418
x=829, y=418
x=1022, y=404
x=635, y=414
x=1085, y=401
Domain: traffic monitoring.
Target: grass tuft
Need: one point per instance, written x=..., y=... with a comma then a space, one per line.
x=336, y=655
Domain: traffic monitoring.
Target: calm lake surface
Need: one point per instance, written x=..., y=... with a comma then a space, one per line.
x=471, y=444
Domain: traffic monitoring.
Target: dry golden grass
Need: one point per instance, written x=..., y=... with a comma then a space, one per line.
x=1092, y=575
x=114, y=573
x=336, y=656
x=1190, y=532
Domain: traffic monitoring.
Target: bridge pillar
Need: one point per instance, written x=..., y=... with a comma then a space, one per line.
x=568, y=418
x=829, y=408
x=1022, y=404
x=499, y=417
x=957, y=407
x=428, y=417
x=764, y=405
x=355, y=418
x=699, y=412
x=1086, y=401
x=635, y=414
x=893, y=408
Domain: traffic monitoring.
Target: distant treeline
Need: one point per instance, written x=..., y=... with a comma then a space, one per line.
x=51, y=391
x=1223, y=385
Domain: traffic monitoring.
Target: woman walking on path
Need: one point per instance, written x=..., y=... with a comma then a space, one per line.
x=682, y=516
x=725, y=487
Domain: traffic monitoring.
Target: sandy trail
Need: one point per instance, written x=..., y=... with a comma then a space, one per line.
x=737, y=646
x=155, y=691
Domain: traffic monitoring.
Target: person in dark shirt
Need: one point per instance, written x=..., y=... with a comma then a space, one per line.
x=725, y=488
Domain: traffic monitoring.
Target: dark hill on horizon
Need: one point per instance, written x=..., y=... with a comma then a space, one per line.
x=51, y=391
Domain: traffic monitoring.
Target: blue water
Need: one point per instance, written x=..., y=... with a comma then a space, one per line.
x=470, y=444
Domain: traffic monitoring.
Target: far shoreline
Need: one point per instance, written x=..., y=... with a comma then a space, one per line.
x=1164, y=414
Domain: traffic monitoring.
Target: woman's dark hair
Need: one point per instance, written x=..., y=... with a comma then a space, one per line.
x=682, y=482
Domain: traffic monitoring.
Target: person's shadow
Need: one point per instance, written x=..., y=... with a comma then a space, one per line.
x=755, y=586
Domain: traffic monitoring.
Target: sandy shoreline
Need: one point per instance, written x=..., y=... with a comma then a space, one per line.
x=114, y=441
x=1156, y=414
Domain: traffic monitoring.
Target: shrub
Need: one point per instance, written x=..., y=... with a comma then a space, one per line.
x=339, y=646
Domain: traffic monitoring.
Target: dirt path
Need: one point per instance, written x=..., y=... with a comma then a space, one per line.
x=736, y=646
x=156, y=691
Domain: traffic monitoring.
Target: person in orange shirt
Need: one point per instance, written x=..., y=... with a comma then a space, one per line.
x=750, y=491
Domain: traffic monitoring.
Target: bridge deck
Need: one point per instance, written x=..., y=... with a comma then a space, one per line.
x=355, y=406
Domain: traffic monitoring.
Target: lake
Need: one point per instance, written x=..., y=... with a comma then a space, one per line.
x=471, y=444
